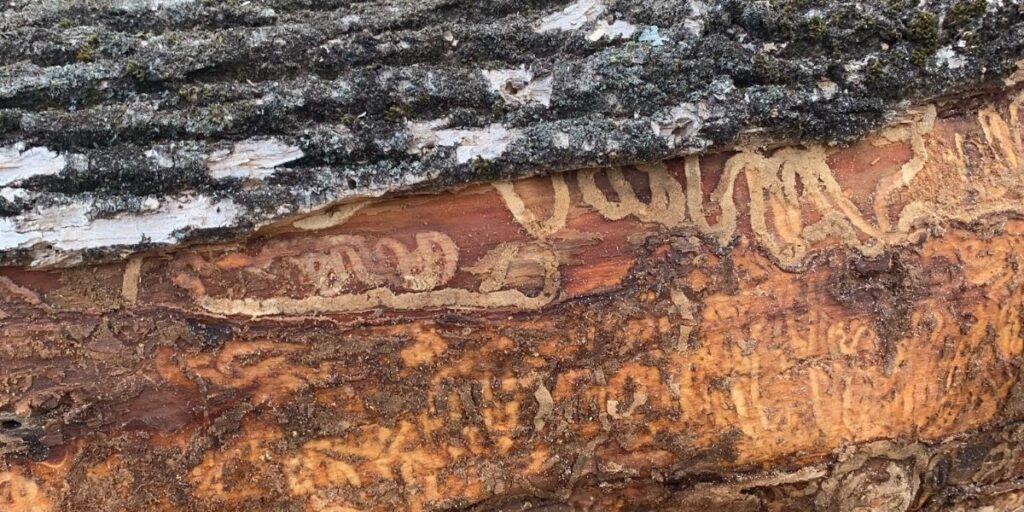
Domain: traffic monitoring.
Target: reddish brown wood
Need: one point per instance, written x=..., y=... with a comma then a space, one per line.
x=602, y=339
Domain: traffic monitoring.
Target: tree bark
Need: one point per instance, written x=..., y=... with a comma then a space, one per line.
x=805, y=327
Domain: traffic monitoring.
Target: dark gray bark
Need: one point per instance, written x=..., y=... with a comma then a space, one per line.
x=129, y=105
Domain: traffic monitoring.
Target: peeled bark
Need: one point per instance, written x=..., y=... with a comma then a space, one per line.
x=807, y=327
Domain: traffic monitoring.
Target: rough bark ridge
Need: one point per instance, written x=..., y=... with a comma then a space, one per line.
x=808, y=328
x=130, y=124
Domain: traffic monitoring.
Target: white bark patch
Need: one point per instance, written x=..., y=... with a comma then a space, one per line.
x=18, y=163
x=681, y=122
x=561, y=140
x=13, y=194
x=519, y=86
x=614, y=30
x=470, y=144
x=826, y=89
x=70, y=228
x=695, y=23
x=652, y=36
x=251, y=159
x=947, y=57
x=572, y=17
x=160, y=157
x=152, y=5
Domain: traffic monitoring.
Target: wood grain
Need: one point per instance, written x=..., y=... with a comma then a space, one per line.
x=800, y=328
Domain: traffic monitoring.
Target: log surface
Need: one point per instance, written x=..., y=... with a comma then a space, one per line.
x=803, y=328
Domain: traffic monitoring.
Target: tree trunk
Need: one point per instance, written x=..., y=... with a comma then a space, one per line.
x=808, y=327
